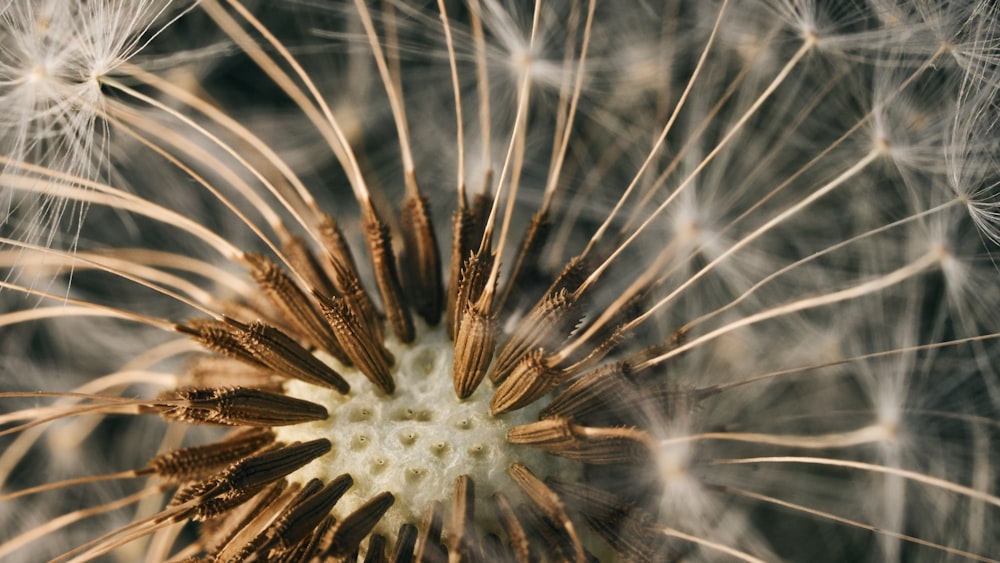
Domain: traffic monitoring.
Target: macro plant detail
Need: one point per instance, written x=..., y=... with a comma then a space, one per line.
x=482, y=280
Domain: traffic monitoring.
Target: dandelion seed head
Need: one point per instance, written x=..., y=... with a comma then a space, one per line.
x=725, y=272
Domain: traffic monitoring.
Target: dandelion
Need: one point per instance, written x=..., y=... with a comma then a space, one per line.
x=718, y=282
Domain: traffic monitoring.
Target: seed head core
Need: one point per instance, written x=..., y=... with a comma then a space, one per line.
x=417, y=441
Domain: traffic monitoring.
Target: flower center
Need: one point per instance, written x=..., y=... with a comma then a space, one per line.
x=415, y=442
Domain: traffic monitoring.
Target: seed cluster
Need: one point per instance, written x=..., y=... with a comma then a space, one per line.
x=404, y=407
x=416, y=442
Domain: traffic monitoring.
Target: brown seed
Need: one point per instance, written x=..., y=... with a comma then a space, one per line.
x=364, y=351
x=548, y=325
x=472, y=283
x=196, y=462
x=297, y=310
x=628, y=529
x=572, y=276
x=273, y=465
x=306, y=512
x=609, y=340
x=607, y=336
x=597, y=446
x=591, y=394
x=217, y=533
x=676, y=339
x=474, y=344
x=548, y=540
x=460, y=248
x=531, y=379
x=335, y=243
x=526, y=264
x=285, y=356
x=421, y=259
x=384, y=266
x=253, y=473
x=349, y=533
x=516, y=536
x=494, y=549
x=376, y=550
x=461, y=538
x=213, y=371
x=468, y=225
x=220, y=337
x=303, y=260
x=237, y=406
x=222, y=503
x=359, y=301
x=548, y=503
x=271, y=536
x=312, y=548
x=406, y=537
x=246, y=541
x=429, y=548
